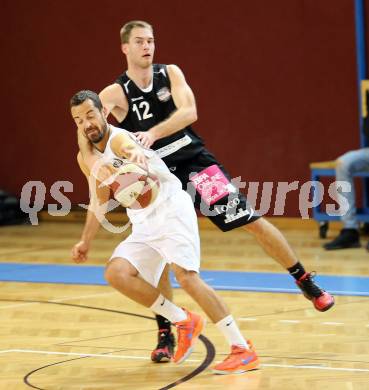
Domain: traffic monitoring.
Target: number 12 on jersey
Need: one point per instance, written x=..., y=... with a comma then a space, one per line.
x=142, y=110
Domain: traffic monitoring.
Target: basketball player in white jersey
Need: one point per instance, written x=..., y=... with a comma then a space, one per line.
x=165, y=232
x=156, y=102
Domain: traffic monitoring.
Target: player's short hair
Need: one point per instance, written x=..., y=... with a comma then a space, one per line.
x=125, y=31
x=83, y=95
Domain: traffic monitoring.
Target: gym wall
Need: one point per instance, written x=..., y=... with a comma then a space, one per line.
x=275, y=82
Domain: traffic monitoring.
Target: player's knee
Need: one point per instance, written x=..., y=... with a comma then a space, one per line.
x=343, y=166
x=185, y=278
x=257, y=227
x=110, y=274
x=116, y=274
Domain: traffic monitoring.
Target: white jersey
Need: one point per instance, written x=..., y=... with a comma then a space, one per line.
x=169, y=184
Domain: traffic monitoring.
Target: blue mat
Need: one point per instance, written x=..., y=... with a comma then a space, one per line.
x=220, y=280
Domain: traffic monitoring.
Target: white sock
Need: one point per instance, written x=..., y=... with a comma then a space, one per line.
x=231, y=332
x=167, y=309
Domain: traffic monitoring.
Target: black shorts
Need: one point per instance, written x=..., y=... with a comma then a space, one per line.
x=228, y=212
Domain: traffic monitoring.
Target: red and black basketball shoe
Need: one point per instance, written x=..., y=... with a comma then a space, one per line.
x=165, y=349
x=321, y=299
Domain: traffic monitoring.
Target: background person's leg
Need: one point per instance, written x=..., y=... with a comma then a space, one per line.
x=347, y=165
x=276, y=246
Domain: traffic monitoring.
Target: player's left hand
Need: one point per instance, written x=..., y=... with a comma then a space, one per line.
x=146, y=138
x=79, y=252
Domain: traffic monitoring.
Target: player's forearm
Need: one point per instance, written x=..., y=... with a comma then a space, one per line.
x=91, y=227
x=177, y=121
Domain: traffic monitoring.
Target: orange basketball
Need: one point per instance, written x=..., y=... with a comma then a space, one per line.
x=134, y=187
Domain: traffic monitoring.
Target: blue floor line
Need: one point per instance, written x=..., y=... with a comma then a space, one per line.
x=220, y=280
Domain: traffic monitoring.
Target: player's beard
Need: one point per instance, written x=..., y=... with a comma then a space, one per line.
x=100, y=133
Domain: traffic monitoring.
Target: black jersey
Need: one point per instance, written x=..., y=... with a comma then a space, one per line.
x=147, y=108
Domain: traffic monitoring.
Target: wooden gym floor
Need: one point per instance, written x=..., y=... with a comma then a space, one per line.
x=74, y=336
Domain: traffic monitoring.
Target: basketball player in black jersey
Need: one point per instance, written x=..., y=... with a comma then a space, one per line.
x=156, y=103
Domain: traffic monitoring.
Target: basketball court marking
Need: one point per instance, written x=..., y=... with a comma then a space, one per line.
x=300, y=366
x=59, y=300
x=327, y=323
x=219, y=280
x=82, y=354
x=250, y=319
x=210, y=354
x=210, y=350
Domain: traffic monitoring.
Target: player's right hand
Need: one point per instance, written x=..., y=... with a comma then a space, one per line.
x=136, y=155
x=79, y=252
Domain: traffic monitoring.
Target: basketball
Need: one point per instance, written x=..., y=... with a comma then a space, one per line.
x=134, y=187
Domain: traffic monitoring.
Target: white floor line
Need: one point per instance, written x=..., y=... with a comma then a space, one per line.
x=58, y=300
x=18, y=305
x=85, y=354
x=316, y=367
x=188, y=360
x=78, y=354
x=333, y=323
x=82, y=297
x=327, y=323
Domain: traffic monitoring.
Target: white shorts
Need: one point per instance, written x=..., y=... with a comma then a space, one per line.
x=168, y=235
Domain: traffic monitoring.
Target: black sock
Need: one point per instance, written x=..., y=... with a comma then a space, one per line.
x=162, y=322
x=297, y=270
